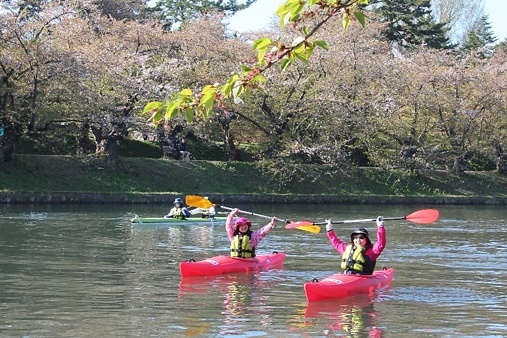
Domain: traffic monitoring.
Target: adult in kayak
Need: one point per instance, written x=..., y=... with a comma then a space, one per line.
x=244, y=241
x=179, y=210
x=359, y=256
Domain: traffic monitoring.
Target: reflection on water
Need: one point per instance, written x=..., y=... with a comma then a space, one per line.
x=355, y=316
x=84, y=271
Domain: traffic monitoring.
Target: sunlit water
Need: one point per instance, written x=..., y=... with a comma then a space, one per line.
x=84, y=271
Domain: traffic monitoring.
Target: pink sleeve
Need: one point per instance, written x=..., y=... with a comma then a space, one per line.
x=258, y=235
x=336, y=242
x=229, y=226
x=379, y=245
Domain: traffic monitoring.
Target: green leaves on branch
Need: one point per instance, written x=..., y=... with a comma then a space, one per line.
x=269, y=52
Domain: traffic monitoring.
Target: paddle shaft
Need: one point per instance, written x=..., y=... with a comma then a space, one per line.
x=197, y=201
x=253, y=214
x=362, y=220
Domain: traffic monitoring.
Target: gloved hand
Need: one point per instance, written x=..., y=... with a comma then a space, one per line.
x=329, y=225
x=380, y=221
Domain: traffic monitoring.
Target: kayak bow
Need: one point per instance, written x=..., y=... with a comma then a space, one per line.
x=226, y=264
x=342, y=285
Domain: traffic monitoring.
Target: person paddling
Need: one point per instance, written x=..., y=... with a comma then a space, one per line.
x=244, y=241
x=360, y=255
x=179, y=210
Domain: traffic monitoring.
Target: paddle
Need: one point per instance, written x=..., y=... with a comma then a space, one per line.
x=200, y=202
x=425, y=216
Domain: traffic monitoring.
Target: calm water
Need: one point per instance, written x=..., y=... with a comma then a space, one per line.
x=84, y=271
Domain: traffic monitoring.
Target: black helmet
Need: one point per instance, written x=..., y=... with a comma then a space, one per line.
x=360, y=231
x=179, y=201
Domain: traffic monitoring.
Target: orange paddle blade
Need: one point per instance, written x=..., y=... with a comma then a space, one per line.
x=304, y=225
x=198, y=202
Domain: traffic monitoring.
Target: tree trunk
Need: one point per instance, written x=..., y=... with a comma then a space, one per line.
x=107, y=148
x=501, y=159
x=84, y=143
x=460, y=163
x=407, y=156
x=229, y=146
x=112, y=153
x=8, y=151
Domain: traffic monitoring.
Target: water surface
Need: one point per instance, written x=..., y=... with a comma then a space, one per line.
x=84, y=271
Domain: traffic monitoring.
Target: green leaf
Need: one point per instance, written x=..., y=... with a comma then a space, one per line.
x=248, y=92
x=260, y=55
x=206, y=97
x=345, y=21
x=152, y=105
x=171, y=111
x=282, y=12
x=259, y=78
x=289, y=11
x=237, y=90
x=262, y=43
x=209, y=88
x=322, y=44
x=185, y=92
x=285, y=63
x=156, y=116
x=189, y=114
x=207, y=101
x=361, y=17
x=227, y=89
x=301, y=48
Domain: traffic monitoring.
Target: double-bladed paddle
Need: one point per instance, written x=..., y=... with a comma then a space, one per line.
x=425, y=216
x=201, y=202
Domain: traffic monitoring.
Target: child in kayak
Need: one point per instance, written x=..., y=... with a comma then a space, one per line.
x=243, y=240
x=179, y=210
x=360, y=255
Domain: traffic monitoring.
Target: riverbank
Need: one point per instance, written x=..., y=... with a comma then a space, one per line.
x=161, y=198
x=64, y=179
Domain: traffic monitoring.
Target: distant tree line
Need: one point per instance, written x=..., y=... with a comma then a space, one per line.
x=408, y=90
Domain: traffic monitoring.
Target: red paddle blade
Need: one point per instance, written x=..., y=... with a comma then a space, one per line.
x=292, y=225
x=425, y=216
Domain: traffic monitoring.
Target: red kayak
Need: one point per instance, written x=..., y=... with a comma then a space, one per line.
x=341, y=285
x=225, y=264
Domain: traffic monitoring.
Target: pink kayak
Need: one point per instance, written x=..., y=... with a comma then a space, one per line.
x=225, y=264
x=341, y=285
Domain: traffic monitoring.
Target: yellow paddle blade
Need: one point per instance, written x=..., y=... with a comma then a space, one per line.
x=310, y=228
x=198, y=202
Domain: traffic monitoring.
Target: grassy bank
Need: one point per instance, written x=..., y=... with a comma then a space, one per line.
x=147, y=180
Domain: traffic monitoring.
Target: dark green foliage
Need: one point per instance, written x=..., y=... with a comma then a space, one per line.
x=480, y=162
x=201, y=150
x=174, y=12
x=47, y=144
x=411, y=24
x=135, y=148
x=480, y=40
